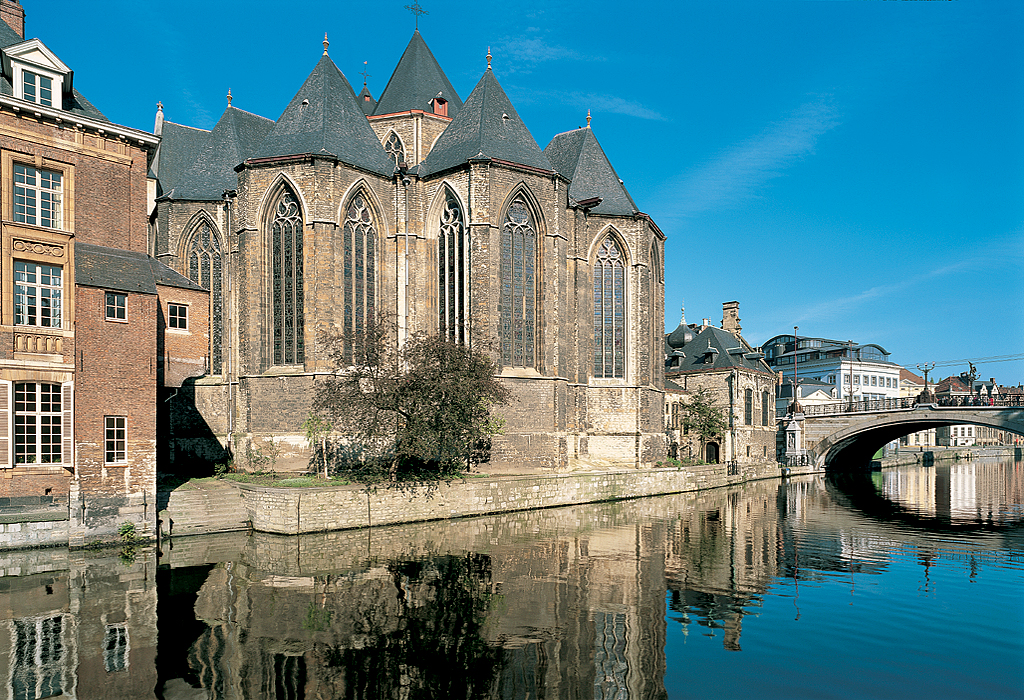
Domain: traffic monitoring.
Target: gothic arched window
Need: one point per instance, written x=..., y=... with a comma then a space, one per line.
x=764, y=408
x=518, y=296
x=205, y=268
x=394, y=148
x=452, y=271
x=609, y=311
x=748, y=407
x=286, y=243
x=359, y=283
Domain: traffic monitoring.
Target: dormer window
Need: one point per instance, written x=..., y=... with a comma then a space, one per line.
x=440, y=106
x=36, y=88
x=36, y=74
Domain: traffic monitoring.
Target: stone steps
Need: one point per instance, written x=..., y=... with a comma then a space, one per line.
x=202, y=509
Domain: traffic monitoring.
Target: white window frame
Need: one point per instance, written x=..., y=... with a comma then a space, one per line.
x=122, y=307
x=115, y=439
x=56, y=83
x=184, y=308
x=28, y=184
x=29, y=445
x=30, y=291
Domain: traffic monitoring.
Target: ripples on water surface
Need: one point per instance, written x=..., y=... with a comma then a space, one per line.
x=904, y=583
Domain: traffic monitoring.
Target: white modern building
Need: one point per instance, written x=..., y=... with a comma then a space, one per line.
x=857, y=372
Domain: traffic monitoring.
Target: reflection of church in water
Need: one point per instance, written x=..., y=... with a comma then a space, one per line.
x=441, y=214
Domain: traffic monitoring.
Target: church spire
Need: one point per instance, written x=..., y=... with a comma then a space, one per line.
x=417, y=83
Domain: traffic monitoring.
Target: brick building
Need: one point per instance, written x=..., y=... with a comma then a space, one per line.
x=79, y=318
x=735, y=375
x=442, y=214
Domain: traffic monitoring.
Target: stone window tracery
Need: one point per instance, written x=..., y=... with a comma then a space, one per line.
x=395, y=149
x=287, y=283
x=360, y=269
x=206, y=268
x=452, y=265
x=518, y=296
x=609, y=311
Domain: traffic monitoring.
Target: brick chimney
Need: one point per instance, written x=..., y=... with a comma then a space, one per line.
x=731, y=317
x=13, y=13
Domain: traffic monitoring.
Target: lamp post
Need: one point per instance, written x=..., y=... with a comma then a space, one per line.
x=795, y=406
x=926, y=396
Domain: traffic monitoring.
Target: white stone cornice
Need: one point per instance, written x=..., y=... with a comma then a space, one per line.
x=63, y=117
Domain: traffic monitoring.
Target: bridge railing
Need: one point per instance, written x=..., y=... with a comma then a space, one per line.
x=895, y=404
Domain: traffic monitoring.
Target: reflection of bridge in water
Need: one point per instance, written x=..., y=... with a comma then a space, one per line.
x=845, y=435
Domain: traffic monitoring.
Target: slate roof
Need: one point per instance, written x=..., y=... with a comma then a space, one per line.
x=74, y=102
x=324, y=118
x=366, y=101
x=729, y=352
x=487, y=126
x=124, y=270
x=179, y=147
x=235, y=137
x=417, y=80
x=577, y=155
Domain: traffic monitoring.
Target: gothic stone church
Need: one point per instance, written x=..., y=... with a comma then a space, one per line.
x=443, y=214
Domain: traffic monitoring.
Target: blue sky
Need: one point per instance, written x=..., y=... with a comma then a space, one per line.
x=855, y=168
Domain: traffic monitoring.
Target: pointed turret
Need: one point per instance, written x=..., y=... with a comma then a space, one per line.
x=577, y=155
x=366, y=101
x=235, y=137
x=487, y=126
x=417, y=82
x=324, y=118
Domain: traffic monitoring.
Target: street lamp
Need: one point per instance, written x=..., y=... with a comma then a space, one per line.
x=795, y=407
x=926, y=396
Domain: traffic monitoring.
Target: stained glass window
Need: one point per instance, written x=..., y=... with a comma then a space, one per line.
x=394, y=148
x=609, y=311
x=359, y=282
x=518, y=296
x=205, y=268
x=287, y=291
x=452, y=251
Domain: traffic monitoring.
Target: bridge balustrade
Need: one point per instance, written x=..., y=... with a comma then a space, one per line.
x=895, y=404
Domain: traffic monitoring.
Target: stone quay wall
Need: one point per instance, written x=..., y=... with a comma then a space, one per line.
x=297, y=511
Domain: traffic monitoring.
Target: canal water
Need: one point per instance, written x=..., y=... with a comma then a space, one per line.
x=904, y=583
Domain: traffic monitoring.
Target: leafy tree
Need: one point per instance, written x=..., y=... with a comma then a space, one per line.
x=703, y=417
x=422, y=410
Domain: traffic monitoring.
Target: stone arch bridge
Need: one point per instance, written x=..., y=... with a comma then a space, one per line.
x=834, y=436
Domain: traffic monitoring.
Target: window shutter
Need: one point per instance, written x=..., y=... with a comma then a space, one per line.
x=67, y=432
x=5, y=425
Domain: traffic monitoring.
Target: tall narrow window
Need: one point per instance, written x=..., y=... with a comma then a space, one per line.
x=205, y=268
x=764, y=408
x=37, y=294
x=609, y=311
x=37, y=196
x=394, y=148
x=748, y=407
x=286, y=242
x=452, y=269
x=37, y=423
x=518, y=296
x=115, y=439
x=360, y=269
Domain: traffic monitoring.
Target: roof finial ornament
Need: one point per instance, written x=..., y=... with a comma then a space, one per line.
x=364, y=74
x=326, y=43
x=682, y=314
x=159, y=106
x=588, y=117
x=488, y=58
x=416, y=10
x=229, y=97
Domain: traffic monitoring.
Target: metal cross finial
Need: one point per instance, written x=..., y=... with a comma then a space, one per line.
x=159, y=106
x=416, y=10
x=229, y=97
x=488, y=58
x=364, y=74
x=326, y=43
x=588, y=117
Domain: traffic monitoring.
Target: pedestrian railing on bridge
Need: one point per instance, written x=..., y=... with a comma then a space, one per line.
x=894, y=404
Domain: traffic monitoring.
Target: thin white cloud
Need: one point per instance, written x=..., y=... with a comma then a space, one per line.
x=597, y=103
x=522, y=54
x=738, y=173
